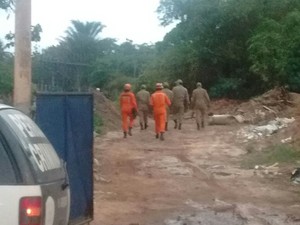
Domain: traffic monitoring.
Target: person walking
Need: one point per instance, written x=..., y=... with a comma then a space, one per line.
x=128, y=109
x=169, y=93
x=200, y=103
x=159, y=101
x=143, y=101
x=180, y=102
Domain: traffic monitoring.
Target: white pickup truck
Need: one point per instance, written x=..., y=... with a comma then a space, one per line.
x=34, y=187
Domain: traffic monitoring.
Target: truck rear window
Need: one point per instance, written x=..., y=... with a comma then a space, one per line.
x=39, y=151
x=7, y=175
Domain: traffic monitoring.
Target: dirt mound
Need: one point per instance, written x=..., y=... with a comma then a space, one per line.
x=106, y=109
x=224, y=106
x=275, y=103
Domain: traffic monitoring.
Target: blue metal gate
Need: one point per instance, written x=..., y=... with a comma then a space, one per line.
x=67, y=121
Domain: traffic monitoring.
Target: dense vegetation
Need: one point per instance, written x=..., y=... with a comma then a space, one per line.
x=236, y=48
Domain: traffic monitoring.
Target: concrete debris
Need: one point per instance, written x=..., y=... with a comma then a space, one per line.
x=270, y=110
x=266, y=170
x=286, y=140
x=96, y=162
x=101, y=179
x=285, y=120
x=95, y=134
x=218, y=167
x=254, y=132
x=225, y=119
x=96, y=177
x=240, y=118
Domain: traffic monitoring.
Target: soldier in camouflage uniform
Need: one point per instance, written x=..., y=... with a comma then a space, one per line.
x=143, y=101
x=169, y=93
x=180, y=102
x=200, y=103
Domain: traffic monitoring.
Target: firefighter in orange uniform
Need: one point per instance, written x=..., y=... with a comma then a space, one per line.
x=159, y=101
x=128, y=109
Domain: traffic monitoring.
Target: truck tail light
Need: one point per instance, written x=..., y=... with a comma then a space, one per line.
x=30, y=211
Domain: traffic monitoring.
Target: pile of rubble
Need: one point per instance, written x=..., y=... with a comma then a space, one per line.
x=267, y=107
x=253, y=132
x=262, y=171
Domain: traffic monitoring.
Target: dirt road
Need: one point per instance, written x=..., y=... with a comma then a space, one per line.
x=193, y=177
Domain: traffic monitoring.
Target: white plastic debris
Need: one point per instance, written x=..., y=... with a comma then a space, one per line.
x=286, y=140
x=254, y=132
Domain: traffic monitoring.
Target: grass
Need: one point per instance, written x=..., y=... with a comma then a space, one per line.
x=279, y=153
x=98, y=123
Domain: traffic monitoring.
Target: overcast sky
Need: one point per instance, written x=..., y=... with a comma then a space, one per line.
x=124, y=19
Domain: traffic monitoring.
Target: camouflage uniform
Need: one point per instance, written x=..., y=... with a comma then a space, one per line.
x=169, y=93
x=180, y=101
x=200, y=103
x=143, y=101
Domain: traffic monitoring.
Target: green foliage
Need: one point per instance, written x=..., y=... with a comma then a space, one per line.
x=98, y=123
x=6, y=79
x=35, y=35
x=274, y=50
x=250, y=44
x=6, y=71
x=235, y=48
x=6, y=4
x=266, y=51
x=271, y=155
x=83, y=60
x=116, y=83
x=227, y=87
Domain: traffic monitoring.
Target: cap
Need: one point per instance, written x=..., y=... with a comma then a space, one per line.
x=179, y=81
x=166, y=84
x=143, y=86
x=127, y=87
x=199, y=84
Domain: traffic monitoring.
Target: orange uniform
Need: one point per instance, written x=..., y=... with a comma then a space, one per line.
x=127, y=104
x=159, y=101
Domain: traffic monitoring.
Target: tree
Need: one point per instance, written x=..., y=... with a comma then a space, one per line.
x=6, y=71
x=70, y=63
x=6, y=4
x=211, y=44
x=274, y=51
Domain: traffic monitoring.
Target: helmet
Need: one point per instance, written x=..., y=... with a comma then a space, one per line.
x=166, y=84
x=199, y=84
x=159, y=86
x=143, y=86
x=127, y=87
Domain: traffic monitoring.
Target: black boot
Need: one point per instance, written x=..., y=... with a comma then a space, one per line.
x=166, y=126
x=146, y=125
x=162, y=138
x=125, y=134
x=157, y=136
x=198, y=126
x=129, y=131
x=175, y=121
x=202, y=124
x=141, y=124
x=179, y=127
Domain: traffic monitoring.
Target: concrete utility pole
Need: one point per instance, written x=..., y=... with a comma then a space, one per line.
x=22, y=70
